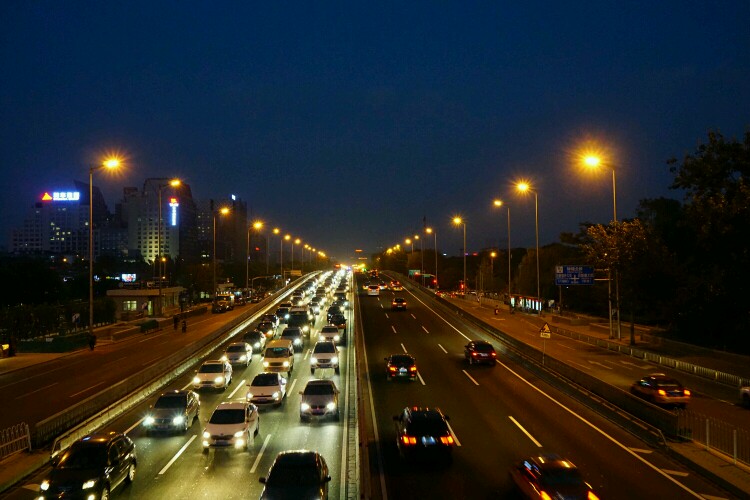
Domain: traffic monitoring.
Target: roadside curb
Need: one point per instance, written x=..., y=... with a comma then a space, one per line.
x=705, y=471
x=17, y=467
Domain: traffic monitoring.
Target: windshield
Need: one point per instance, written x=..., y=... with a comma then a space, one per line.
x=561, y=477
x=285, y=474
x=338, y=318
x=265, y=380
x=318, y=389
x=84, y=456
x=176, y=401
x=277, y=352
x=228, y=416
x=211, y=368
x=401, y=359
x=290, y=332
x=429, y=427
x=330, y=329
x=236, y=348
x=324, y=347
x=483, y=347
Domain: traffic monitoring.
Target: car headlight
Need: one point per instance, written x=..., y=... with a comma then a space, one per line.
x=196, y=380
x=178, y=420
x=243, y=357
x=148, y=421
x=334, y=359
x=297, y=341
x=286, y=316
x=89, y=484
x=224, y=357
x=239, y=434
x=44, y=486
x=206, y=434
x=256, y=345
x=266, y=364
x=219, y=380
x=336, y=338
x=286, y=364
x=314, y=360
x=250, y=395
x=275, y=395
x=304, y=407
x=331, y=405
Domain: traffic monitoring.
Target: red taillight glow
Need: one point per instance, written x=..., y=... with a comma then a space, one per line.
x=473, y=354
x=408, y=440
x=446, y=439
x=412, y=368
x=686, y=392
x=662, y=392
x=392, y=368
x=544, y=496
x=494, y=354
x=592, y=496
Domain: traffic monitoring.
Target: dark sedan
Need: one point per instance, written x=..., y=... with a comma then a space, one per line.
x=401, y=366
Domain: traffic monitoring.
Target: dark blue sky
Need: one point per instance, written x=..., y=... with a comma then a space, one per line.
x=345, y=124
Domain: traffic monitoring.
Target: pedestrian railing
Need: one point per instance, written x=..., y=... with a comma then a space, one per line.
x=14, y=439
x=715, y=435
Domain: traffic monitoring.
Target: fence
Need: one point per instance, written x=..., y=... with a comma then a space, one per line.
x=14, y=439
x=715, y=435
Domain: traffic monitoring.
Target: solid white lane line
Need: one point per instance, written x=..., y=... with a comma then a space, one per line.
x=455, y=438
x=307, y=353
x=413, y=316
x=127, y=431
x=419, y=375
x=676, y=473
x=241, y=384
x=81, y=392
x=443, y=348
x=394, y=329
x=601, y=432
x=381, y=306
x=37, y=390
x=260, y=454
x=539, y=445
x=641, y=450
x=386, y=316
x=579, y=364
x=599, y=364
x=567, y=347
x=470, y=377
x=177, y=455
x=404, y=348
x=425, y=329
x=291, y=386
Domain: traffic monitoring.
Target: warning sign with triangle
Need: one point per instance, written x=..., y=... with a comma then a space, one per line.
x=545, y=332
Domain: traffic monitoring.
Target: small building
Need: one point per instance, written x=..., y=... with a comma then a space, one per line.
x=133, y=303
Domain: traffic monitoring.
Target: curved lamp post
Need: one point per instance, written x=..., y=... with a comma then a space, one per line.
x=525, y=187
x=429, y=230
x=458, y=221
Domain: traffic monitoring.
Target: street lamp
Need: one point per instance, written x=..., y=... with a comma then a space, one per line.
x=594, y=162
x=222, y=211
x=173, y=183
x=458, y=221
x=110, y=164
x=408, y=241
x=429, y=230
x=499, y=203
x=525, y=187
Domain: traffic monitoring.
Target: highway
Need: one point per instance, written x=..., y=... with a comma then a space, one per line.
x=499, y=415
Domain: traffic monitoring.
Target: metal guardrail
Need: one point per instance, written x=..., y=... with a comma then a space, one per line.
x=715, y=435
x=14, y=439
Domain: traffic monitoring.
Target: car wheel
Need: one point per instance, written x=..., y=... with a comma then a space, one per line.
x=257, y=428
x=337, y=370
x=746, y=400
x=131, y=473
x=105, y=493
x=312, y=371
x=186, y=425
x=471, y=361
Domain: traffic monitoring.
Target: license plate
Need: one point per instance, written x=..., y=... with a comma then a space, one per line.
x=402, y=370
x=428, y=440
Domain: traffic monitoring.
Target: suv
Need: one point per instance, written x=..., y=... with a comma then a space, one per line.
x=423, y=432
x=215, y=374
x=272, y=318
x=324, y=355
x=231, y=424
x=330, y=332
x=297, y=474
x=255, y=339
x=238, y=353
x=173, y=410
x=479, y=351
x=320, y=398
x=279, y=356
x=267, y=388
x=301, y=317
x=92, y=467
x=294, y=334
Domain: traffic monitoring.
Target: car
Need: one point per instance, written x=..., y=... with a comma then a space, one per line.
x=366, y=286
x=745, y=396
x=303, y=318
x=398, y=304
x=256, y=339
x=341, y=298
x=91, y=467
x=232, y=424
x=220, y=306
x=315, y=305
x=266, y=328
x=382, y=285
x=400, y=366
x=324, y=355
x=330, y=333
x=320, y=398
x=257, y=297
x=396, y=286
x=283, y=314
x=480, y=351
x=238, y=353
x=660, y=389
x=333, y=309
x=296, y=474
x=173, y=411
x=423, y=433
x=271, y=317
x=279, y=356
x=293, y=334
x=373, y=290
x=267, y=389
x=339, y=320
x=214, y=374
x=551, y=476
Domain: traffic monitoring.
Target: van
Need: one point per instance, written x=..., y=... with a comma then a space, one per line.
x=279, y=357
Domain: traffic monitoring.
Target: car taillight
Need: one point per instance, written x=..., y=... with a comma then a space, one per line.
x=662, y=392
x=446, y=439
x=686, y=392
x=494, y=354
x=544, y=496
x=408, y=440
x=592, y=496
x=473, y=354
x=392, y=368
x=412, y=368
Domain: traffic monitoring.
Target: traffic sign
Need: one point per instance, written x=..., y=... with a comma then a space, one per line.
x=574, y=275
x=545, y=332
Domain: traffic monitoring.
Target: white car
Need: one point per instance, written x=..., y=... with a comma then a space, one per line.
x=320, y=398
x=373, y=290
x=324, y=355
x=214, y=374
x=232, y=424
x=267, y=388
x=330, y=333
x=238, y=353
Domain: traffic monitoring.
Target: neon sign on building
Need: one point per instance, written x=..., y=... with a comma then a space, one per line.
x=173, y=204
x=62, y=196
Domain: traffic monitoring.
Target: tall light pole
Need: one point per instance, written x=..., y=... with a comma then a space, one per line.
x=257, y=225
x=499, y=203
x=429, y=230
x=421, y=255
x=458, y=221
x=288, y=237
x=297, y=241
x=277, y=232
x=222, y=211
x=173, y=183
x=493, y=254
x=525, y=187
x=594, y=162
x=110, y=164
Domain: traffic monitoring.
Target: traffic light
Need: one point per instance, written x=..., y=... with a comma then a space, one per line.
x=461, y=285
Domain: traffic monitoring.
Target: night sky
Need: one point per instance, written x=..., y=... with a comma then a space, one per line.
x=345, y=124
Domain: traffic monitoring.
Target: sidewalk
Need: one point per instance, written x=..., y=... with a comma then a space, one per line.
x=718, y=468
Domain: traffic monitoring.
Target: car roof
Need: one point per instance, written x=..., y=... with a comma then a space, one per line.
x=99, y=437
x=213, y=362
x=231, y=405
x=550, y=461
x=244, y=344
x=175, y=392
x=320, y=382
x=300, y=457
x=426, y=413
